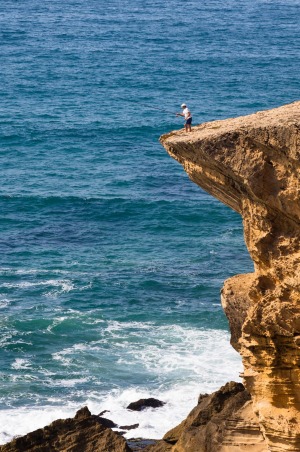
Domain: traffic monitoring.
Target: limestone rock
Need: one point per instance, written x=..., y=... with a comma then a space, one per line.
x=83, y=433
x=221, y=422
x=252, y=164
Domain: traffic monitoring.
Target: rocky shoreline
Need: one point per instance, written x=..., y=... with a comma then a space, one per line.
x=217, y=418
x=251, y=164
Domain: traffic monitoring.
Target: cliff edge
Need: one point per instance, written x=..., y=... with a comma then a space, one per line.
x=251, y=163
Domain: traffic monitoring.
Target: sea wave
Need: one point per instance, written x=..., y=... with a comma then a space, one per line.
x=62, y=286
x=153, y=423
x=21, y=363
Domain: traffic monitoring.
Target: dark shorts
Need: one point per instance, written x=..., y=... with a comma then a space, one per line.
x=188, y=121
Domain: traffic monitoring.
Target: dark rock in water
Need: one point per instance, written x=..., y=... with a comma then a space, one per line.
x=129, y=427
x=145, y=403
x=107, y=422
x=85, y=412
x=83, y=433
x=103, y=412
x=140, y=444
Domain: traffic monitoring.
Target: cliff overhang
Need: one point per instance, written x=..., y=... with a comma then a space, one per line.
x=251, y=164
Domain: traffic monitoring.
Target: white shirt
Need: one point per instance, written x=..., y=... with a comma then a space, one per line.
x=187, y=113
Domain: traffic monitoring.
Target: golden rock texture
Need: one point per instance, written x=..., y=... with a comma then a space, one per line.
x=252, y=164
x=221, y=422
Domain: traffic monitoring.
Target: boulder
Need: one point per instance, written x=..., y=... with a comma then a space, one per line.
x=145, y=403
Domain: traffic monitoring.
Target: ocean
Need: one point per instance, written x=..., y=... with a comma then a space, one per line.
x=112, y=260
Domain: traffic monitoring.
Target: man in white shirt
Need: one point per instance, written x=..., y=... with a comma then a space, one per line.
x=187, y=116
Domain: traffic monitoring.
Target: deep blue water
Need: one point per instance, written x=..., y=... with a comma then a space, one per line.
x=111, y=259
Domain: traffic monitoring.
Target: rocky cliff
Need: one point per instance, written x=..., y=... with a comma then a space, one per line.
x=221, y=422
x=252, y=164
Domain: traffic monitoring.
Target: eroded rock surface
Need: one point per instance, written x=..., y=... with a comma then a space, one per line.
x=221, y=422
x=83, y=433
x=252, y=164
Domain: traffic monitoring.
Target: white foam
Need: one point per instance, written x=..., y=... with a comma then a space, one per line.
x=153, y=423
x=170, y=352
x=70, y=383
x=60, y=356
x=187, y=362
x=32, y=271
x=196, y=353
x=4, y=303
x=114, y=325
x=57, y=321
x=182, y=361
x=20, y=363
x=24, y=377
x=93, y=321
x=65, y=285
x=18, y=422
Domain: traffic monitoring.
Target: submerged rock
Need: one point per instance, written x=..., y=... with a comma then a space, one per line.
x=107, y=422
x=103, y=412
x=129, y=427
x=145, y=403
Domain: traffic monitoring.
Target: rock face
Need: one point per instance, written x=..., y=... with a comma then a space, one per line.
x=252, y=164
x=223, y=422
x=83, y=433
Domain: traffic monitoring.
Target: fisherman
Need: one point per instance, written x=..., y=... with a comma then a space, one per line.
x=187, y=116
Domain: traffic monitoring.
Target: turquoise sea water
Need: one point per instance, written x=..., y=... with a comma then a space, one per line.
x=111, y=259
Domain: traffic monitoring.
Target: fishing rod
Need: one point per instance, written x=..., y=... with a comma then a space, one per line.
x=159, y=109
x=154, y=108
